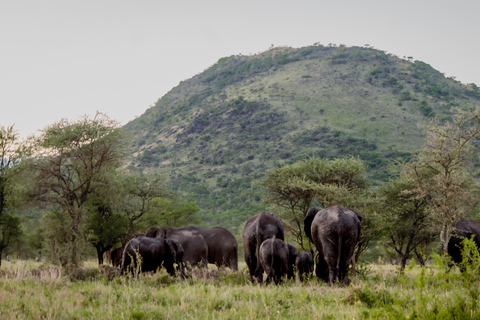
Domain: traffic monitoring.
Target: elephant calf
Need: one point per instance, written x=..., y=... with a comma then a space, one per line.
x=273, y=256
x=292, y=256
x=304, y=265
x=150, y=254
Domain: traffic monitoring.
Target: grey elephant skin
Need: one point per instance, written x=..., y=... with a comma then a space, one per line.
x=149, y=254
x=260, y=227
x=222, y=246
x=461, y=230
x=304, y=265
x=292, y=256
x=335, y=232
x=193, y=243
x=273, y=256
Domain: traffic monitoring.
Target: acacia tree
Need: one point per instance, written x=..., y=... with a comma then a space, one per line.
x=10, y=152
x=407, y=223
x=174, y=212
x=104, y=227
x=295, y=187
x=71, y=159
x=444, y=172
x=135, y=195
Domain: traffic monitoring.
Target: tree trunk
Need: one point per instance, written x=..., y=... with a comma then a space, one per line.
x=403, y=262
x=99, y=255
x=445, y=237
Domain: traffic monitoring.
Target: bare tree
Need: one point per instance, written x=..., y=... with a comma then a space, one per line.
x=444, y=169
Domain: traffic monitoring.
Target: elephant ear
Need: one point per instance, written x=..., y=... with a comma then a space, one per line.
x=358, y=216
x=307, y=222
x=152, y=232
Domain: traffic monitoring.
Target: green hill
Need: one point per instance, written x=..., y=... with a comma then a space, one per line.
x=216, y=133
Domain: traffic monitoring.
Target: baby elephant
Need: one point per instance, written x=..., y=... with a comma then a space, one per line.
x=304, y=264
x=273, y=256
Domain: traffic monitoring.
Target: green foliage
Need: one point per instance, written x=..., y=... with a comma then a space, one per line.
x=104, y=228
x=426, y=110
x=174, y=213
x=406, y=222
x=10, y=152
x=470, y=264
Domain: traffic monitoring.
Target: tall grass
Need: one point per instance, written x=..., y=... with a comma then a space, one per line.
x=39, y=291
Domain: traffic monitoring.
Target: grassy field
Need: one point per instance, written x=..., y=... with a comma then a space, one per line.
x=30, y=290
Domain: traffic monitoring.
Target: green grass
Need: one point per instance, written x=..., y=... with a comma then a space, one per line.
x=30, y=290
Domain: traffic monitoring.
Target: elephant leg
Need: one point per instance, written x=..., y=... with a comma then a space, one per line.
x=251, y=262
x=259, y=273
x=332, y=275
x=343, y=274
x=233, y=264
x=321, y=269
x=332, y=270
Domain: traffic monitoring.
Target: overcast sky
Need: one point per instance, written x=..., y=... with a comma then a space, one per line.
x=64, y=58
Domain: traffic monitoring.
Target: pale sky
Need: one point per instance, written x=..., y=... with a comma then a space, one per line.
x=64, y=58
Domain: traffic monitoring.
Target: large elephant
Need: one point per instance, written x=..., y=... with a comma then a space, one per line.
x=193, y=243
x=262, y=226
x=149, y=254
x=292, y=256
x=304, y=265
x=222, y=246
x=461, y=230
x=273, y=256
x=335, y=232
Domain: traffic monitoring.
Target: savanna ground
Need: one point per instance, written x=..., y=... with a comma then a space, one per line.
x=32, y=290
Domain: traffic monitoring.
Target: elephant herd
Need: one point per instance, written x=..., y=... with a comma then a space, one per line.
x=162, y=246
x=333, y=230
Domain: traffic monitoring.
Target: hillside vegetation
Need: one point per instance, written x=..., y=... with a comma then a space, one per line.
x=217, y=133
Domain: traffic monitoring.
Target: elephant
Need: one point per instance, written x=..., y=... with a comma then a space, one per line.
x=273, y=256
x=262, y=226
x=193, y=243
x=304, y=265
x=461, y=230
x=152, y=254
x=116, y=256
x=334, y=231
x=292, y=256
x=222, y=246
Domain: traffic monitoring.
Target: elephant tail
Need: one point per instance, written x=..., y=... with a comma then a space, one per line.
x=339, y=255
